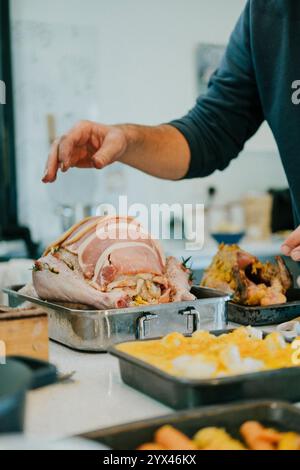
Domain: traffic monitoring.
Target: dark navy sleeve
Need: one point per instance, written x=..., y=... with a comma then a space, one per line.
x=217, y=128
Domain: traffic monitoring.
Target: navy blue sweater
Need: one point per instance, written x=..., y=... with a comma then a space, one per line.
x=258, y=79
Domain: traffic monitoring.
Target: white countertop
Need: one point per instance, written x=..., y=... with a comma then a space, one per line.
x=96, y=397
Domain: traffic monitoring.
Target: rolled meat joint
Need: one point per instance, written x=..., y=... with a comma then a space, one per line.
x=251, y=282
x=109, y=262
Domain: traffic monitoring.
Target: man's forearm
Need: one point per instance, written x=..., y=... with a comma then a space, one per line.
x=160, y=151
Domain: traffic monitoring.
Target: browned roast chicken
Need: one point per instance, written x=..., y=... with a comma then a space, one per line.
x=251, y=282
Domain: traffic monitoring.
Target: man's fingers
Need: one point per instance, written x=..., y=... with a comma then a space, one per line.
x=65, y=150
x=84, y=147
x=102, y=158
x=295, y=254
x=292, y=241
x=52, y=164
x=112, y=148
x=286, y=250
x=80, y=140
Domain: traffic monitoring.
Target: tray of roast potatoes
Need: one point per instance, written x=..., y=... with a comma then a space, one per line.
x=246, y=426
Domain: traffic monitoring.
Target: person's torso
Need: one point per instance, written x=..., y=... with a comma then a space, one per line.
x=275, y=46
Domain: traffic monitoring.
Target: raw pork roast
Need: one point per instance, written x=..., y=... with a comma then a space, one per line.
x=109, y=262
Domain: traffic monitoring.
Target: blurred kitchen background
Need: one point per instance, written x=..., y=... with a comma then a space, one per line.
x=122, y=61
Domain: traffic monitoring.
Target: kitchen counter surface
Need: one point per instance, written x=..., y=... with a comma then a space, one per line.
x=95, y=398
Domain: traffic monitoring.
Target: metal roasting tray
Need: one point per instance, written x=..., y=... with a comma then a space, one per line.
x=262, y=316
x=182, y=393
x=98, y=330
x=279, y=415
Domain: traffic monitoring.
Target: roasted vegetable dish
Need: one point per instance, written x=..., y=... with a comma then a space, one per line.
x=253, y=436
x=204, y=355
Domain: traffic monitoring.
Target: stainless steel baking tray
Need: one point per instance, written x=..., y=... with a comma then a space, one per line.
x=182, y=393
x=270, y=315
x=273, y=414
x=97, y=330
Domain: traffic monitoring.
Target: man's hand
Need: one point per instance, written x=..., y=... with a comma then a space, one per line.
x=87, y=145
x=160, y=151
x=291, y=246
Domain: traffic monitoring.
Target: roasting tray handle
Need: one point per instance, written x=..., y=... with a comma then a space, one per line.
x=192, y=319
x=143, y=325
x=144, y=322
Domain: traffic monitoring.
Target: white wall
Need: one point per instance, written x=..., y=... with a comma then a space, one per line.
x=116, y=61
